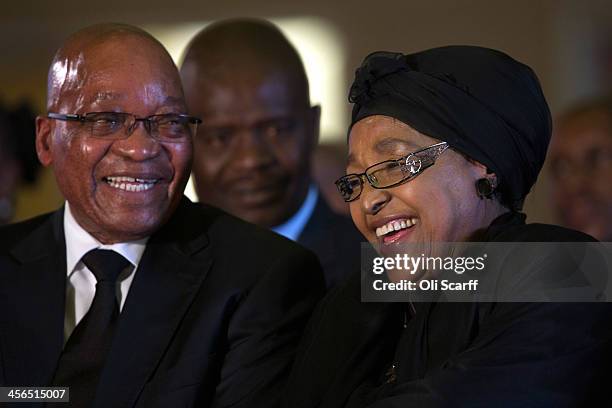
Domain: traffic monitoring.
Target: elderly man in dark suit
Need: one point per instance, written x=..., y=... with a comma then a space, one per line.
x=252, y=154
x=130, y=294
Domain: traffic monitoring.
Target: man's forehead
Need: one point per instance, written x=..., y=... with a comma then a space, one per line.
x=274, y=88
x=227, y=105
x=109, y=85
x=110, y=65
x=102, y=96
x=114, y=96
x=110, y=92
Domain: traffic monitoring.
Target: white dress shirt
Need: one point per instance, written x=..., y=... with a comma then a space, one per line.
x=81, y=282
x=294, y=226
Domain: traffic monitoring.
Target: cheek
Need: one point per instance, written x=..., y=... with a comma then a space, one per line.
x=293, y=153
x=181, y=156
x=87, y=150
x=209, y=165
x=79, y=155
x=290, y=155
x=75, y=160
x=602, y=188
x=359, y=220
x=440, y=204
x=432, y=207
x=463, y=210
x=559, y=192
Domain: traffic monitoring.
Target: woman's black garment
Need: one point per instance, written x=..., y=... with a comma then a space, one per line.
x=455, y=354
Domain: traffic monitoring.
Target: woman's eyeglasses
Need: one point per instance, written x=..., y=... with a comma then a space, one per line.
x=389, y=173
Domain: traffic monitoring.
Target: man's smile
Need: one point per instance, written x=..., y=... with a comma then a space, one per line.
x=131, y=183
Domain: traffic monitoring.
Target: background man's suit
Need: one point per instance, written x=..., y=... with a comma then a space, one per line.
x=212, y=318
x=335, y=241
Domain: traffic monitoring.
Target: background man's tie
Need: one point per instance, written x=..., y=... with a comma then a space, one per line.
x=85, y=352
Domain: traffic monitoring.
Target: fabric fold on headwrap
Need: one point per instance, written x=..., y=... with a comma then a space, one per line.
x=485, y=104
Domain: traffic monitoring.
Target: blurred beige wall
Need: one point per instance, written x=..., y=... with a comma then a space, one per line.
x=538, y=33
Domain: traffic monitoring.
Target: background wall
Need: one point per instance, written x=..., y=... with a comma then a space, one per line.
x=567, y=43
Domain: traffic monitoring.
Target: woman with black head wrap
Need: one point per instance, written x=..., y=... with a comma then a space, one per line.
x=444, y=145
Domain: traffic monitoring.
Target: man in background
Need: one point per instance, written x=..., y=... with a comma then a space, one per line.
x=130, y=294
x=18, y=162
x=253, y=152
x=581, y=163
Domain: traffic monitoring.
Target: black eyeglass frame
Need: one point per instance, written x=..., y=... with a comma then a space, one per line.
x=147, y=121
x=402, y=162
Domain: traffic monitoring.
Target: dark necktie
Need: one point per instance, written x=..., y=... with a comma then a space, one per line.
x=85, y=352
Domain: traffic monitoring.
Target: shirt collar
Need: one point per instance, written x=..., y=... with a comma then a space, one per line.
x=294, y=226
x=79, y=242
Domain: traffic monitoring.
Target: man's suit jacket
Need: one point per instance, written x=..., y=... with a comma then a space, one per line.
x=335, y=241
x=212, y=318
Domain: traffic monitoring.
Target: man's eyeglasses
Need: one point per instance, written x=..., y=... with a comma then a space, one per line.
x=390, y=173
x=170, y=127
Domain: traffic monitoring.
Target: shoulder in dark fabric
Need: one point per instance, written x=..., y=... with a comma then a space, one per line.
x=32, y=286
x=454, y=354
x=213, y=317
x=335, y=241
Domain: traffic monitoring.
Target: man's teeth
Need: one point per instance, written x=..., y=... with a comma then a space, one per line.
x=130, y=183
x=395, y=225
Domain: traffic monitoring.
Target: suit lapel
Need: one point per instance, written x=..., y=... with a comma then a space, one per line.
x=34, y=339
x=166, y=282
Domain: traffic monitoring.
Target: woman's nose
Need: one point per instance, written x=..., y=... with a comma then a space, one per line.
x=373, y=200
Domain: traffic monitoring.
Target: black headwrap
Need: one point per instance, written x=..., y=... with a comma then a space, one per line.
x=485, y=104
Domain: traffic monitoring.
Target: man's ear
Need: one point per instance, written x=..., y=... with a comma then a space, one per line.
x=315, y=122
x=44, y=133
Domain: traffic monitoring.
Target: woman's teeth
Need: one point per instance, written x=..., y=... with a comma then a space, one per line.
x=395, y=225
x=130, y=183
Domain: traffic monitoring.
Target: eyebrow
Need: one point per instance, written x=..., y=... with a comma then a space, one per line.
x=390, y=145
x=387, y=146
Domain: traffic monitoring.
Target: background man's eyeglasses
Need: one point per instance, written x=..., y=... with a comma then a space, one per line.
x=389, y=173
x=170, y=127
